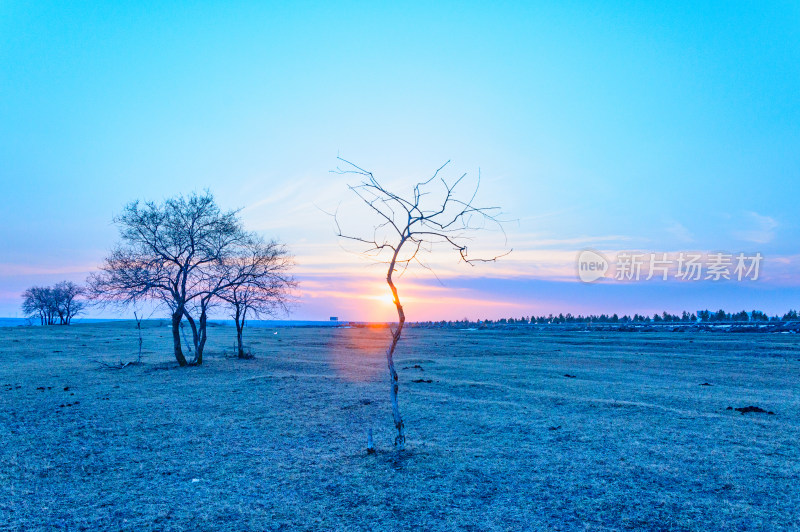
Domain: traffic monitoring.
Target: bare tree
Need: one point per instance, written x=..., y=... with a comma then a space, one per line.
x=36, y=304
x=51, y=303
x=169, y=254
x=260, y=284
x=66, y=294
x=433, y=214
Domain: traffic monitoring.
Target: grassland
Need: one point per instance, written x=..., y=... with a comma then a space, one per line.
x=500, y=438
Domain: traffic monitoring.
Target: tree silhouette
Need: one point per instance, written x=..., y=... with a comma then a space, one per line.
x=183, y=253
x=435, y=214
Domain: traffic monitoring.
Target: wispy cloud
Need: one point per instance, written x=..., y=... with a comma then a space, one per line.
x=8, y=269
x=679, y=231
x=535, y=241
x=760, y=228
x=279, y=195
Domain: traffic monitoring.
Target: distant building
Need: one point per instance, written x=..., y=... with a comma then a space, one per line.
x=334, y=318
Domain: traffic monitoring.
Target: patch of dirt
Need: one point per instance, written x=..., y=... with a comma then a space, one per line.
x=362, y=402
x=752, y=409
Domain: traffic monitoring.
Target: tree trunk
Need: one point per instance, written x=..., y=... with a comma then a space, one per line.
x=176, y=337
x=239, y=329
x=239, y=332
x=195, y=333
x=400, y=440
x=202, y=336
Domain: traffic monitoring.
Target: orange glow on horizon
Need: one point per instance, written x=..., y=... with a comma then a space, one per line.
x=356, y=300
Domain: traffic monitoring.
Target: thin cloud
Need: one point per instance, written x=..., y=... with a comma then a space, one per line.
x=679, y=231
x=760, y=228
x=575, y=242
x=8, y=269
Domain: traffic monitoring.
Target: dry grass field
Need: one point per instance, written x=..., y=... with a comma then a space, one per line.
x=500, y=437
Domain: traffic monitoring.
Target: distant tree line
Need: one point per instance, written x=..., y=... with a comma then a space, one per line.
x=704, y=316
x=52, y=305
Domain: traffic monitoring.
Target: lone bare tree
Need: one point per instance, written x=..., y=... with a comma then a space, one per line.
x=434, y=213
x=173, y=253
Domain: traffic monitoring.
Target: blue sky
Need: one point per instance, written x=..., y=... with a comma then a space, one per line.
x=657, y=127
